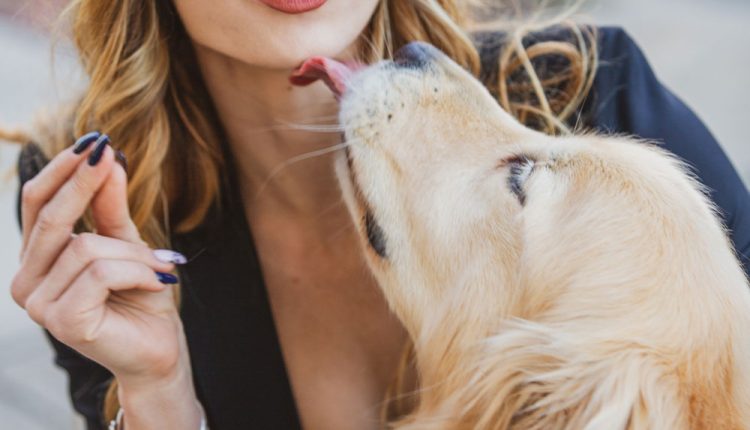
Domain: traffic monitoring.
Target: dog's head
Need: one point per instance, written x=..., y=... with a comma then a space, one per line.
x=453, y=197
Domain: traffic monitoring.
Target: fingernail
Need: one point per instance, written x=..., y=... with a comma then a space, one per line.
x=85, y=141
x=169, y=256
x=96, y=154
x=166, y=278
x=120, y=158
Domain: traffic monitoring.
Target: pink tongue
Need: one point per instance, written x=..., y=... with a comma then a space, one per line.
x=332, y=72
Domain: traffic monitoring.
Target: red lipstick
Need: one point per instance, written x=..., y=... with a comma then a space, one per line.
x=294, y=6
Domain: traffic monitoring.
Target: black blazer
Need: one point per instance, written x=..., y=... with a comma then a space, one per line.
x=238, y=367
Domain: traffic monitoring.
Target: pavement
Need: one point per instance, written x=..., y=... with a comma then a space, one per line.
x=32, y=391
x=699, y=49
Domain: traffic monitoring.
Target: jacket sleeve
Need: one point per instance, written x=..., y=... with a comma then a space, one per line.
x=87, y=380
x=627, y=98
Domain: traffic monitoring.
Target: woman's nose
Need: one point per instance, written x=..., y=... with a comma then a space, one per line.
x=415, y=54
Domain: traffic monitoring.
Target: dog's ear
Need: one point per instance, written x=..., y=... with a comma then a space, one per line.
x=538, y=380
x=401, y=398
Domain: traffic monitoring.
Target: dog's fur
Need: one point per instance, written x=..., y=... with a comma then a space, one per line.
x=602, y=293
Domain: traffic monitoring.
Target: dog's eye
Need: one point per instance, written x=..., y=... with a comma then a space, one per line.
x=520, y=168
x=375, y=235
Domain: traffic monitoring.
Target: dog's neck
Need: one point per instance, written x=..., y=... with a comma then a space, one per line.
x=451, y=334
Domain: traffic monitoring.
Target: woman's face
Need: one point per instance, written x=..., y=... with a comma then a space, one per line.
x=261, y=33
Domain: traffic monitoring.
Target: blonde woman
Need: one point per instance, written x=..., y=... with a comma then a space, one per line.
x=279, y=325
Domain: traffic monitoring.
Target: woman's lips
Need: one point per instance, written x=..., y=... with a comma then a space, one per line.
x=294, y=6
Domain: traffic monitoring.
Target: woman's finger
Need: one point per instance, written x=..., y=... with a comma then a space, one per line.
x=71, y=317
x=55, y=220
x=39, y=190
x=86, y=248
x=109, y=208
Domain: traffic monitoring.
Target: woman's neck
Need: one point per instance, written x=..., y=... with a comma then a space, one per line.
x=261, y=113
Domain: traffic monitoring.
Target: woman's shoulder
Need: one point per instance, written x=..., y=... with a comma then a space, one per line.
x=615, y=42
x=611, y=40
x=614, y=46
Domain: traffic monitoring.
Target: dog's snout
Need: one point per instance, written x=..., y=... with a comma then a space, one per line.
x=415, y=54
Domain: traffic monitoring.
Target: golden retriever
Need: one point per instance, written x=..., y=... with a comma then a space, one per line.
x=580, y=282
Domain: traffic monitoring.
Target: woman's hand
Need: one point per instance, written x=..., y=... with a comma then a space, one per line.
x=105, y=295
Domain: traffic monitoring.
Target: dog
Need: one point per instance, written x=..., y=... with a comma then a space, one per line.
x=573, y=282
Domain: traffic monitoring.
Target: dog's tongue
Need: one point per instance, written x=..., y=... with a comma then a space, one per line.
x=334, y=73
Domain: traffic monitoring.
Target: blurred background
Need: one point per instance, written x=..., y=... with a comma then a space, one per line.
x=699, y=48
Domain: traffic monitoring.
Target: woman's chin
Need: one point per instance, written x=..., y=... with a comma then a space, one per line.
x=258, y=35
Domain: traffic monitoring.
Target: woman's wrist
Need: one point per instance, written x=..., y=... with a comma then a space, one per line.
x=168, y=403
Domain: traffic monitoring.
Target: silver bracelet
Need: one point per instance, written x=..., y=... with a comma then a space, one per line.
x=116, y=424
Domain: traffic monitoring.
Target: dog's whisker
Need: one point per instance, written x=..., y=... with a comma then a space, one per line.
x=324, y=211
x=323, y=128
x=297, y=159
x=341, y=229
x=283, y=125
x=321, y=245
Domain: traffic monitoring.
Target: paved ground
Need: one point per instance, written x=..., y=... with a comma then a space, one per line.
x=32, y=391
x=698, y=48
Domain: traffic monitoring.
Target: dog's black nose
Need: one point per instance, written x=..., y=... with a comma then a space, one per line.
x=415, y=54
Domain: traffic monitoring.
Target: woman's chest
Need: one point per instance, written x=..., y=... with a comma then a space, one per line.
x=340, y=343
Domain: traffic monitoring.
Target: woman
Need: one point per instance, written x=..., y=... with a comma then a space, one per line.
x=282, y=328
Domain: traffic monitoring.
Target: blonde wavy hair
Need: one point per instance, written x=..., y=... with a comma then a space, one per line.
x=146, y=92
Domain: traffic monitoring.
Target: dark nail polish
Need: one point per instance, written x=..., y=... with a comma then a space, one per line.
x=166, y=278
x=96, y=154
x=85, y=141
x=122, y=159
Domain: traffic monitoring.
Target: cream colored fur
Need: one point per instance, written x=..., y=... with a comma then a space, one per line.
x=611, y=299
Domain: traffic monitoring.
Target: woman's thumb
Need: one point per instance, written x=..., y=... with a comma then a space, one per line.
x=110, y=206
